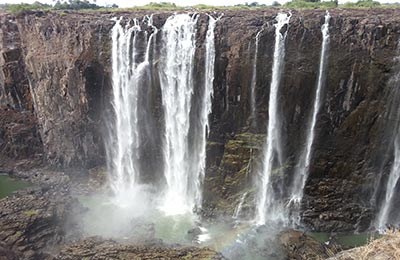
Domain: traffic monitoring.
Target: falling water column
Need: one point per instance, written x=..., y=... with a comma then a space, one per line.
x=124, y=136
x=176, y=80
x=200, y=139
x=253, y=84
x=302, y=172
x=383, y=217
x=272, y=148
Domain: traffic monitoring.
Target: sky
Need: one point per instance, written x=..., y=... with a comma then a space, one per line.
x=130, y=3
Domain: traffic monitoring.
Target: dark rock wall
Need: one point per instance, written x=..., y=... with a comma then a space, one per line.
x=348, y=139
x=65, y=62
x=14, y=85
x=19, y=137
x=65, y=57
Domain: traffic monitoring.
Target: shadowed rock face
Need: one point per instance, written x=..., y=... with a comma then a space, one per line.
x=14, y=85
x=19, y=137
x=65, y=57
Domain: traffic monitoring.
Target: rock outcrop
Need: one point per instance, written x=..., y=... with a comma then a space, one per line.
x=41, y=222
x=384, y=248
x=34, y=221
x=93, y=248
x=299, y=246
x=65, y=57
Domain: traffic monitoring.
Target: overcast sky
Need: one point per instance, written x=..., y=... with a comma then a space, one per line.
x=130, y=3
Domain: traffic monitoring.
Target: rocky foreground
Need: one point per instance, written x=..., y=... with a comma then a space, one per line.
x=384, y=248
x=38, y=223
x=99, y=249
x=34, y=220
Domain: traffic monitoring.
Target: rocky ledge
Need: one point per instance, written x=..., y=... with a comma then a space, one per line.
x=32, y=221
x=94, y=248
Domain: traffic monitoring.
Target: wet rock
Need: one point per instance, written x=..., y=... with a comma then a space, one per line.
x=298, y=246
x=19, y=137
x=33, y=221
x=7, y=254
x=348, y=142
x=93, y=248
x=227, y=183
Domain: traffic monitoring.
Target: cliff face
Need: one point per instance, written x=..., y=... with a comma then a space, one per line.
x=65, y=58
x=65, y=67
x=19, y=137
x=349, y=131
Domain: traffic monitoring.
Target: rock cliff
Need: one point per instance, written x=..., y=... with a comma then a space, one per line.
x=56, y=67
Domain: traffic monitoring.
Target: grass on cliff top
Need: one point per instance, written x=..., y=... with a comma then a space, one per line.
x=386, y=247
x=166, y=6
x=293, y=5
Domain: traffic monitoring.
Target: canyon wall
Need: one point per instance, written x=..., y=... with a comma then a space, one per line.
x=55, y=69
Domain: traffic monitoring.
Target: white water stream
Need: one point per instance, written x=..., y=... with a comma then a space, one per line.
x=272, y=150
x=127, y=73
x=301, y=174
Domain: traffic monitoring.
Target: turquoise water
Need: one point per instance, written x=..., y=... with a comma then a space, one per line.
x=349, y=240
x=9, y=185
x=135, y=222
x=142, y=221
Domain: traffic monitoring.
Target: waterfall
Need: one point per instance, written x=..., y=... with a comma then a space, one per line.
x=128, y=71
x=302, y=172
x=176, y=78
x=272, y=149
x=200, y=139
x=383, y=217
x=238, y=209
x=254, y=83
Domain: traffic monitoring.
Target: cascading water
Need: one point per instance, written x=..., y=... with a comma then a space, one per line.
x=272, y=150
x=383, y=217
x=127, y=73
x=301, y=174
x=200, y=139
x=184, y=165
x=238, y=210
x=254, y=83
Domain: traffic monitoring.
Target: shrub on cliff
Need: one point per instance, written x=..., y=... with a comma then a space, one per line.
x=75, y=5
x=362, y=4
x=311, y=5
x=23, y=7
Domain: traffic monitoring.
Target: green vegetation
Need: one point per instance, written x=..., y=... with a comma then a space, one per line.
x=19, y=8
x=362, y=4
x=59, y=5
x=170, y=6
x=31, y=212
x=75, y=5
x=310, y=5
x=159, y=6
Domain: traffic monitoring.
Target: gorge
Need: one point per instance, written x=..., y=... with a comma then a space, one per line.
x=220, y=129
